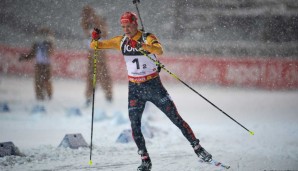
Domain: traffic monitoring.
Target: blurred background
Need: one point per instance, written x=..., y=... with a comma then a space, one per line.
x=241, y=54
x=200, y=33
x=230, y=27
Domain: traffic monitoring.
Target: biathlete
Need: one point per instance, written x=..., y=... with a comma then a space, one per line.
x=144, y=83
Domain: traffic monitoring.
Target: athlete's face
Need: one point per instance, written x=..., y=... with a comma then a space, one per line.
x=129, y=29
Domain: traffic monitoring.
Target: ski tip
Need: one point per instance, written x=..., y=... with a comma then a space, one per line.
x=90, y=162
x=251, y=133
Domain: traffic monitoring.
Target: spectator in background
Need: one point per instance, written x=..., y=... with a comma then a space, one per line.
x=42, y=50
x=89, y=21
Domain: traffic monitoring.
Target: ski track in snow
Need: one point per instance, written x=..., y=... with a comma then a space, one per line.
x=272, y=115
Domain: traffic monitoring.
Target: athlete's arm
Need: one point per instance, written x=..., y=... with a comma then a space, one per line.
x=113, y=43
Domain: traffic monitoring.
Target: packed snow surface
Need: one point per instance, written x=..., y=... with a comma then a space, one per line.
x=271, y=115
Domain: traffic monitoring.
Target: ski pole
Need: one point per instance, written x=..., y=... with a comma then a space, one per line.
x=136, y=3
x=177, y=78
x=93, y=99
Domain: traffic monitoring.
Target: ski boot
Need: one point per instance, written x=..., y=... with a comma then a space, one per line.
x=146, y=162
x=201, y=152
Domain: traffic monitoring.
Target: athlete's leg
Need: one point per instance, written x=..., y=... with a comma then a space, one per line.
x=136, y=106
x=163, y=101
x=135, y=110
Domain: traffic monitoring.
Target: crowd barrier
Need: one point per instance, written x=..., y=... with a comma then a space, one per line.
x=267, y=73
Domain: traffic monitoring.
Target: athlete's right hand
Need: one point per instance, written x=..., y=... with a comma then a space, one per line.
x=96, y=34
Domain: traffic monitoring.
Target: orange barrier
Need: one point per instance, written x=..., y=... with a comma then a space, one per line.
x=277, y=73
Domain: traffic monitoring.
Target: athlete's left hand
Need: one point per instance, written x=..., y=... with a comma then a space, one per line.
x=135, y=44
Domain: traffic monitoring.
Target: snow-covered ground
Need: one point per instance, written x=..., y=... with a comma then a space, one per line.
x=271, y=115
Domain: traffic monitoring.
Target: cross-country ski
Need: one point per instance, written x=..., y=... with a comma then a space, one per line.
x=216, y=164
